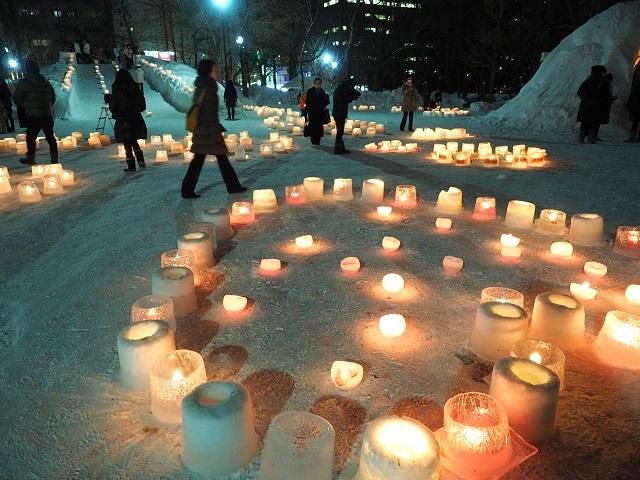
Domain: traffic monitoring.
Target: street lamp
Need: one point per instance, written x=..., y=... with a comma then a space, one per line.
x=326, y=58
x=13, y=63
x=222, y=5
x=239, y=40
x=245, y=84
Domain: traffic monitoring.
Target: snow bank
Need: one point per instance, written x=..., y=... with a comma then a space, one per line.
x=61, y=75
x=549, y=101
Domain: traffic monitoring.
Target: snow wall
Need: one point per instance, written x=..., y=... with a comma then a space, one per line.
x=549, y=101
x=65, y=99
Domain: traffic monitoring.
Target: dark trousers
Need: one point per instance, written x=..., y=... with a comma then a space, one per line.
x=133, y=150
x=193, y=173
x=633, y=135
x=34, y=125
x=339, y=130
x=10, y=123
x=141, y=85
x=231, y=112
x=588, y=129
x=403, y=122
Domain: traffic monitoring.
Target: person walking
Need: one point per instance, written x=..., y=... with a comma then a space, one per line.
x=410, y=103
x=138, y=76
x=207, y=136
x=593, y=92
x=317, y=113
x=633, y=106
x=126, y=104
x=6, y=100
x=86, y=51
x=342, y=97
x=77, y=51
x=35, y=97
x=230, y=99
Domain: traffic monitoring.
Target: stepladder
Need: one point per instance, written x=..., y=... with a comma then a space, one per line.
x=105, y=115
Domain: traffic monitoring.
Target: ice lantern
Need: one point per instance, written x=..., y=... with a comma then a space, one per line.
x=299, y=445
x=498, y=327
x=485, y=208
x=201, y=245
x=265, y=201
x=520, y=214
x=618, y=343
x=294, y=194
x=552, y=222
x=5, y=185
x=172, y=377
x=587, y=229
x=28, y=192
x=450, y=201
x=313, y=188
x=139, y=346
x=398, y=448
x=219, y=217
x=177, y=283
x=543, y=353
x=406, y=196
x=628, y=241
x=52, y=185
x=372, y=191
x=154, y=307
x=558, y=319
x=342, y=189
x=346, y=375
x=242, y=213
x=503, y=295
x=218, y=429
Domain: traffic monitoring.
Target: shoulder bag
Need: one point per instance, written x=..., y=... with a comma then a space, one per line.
x=193, y=115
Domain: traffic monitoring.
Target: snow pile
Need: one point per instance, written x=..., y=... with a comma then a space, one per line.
x=549, y=101
x=60, y=75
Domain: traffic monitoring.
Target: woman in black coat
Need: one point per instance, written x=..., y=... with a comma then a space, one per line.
x=593, y=93
x=126, y=103
x=317, y=101
x=230, y=99
x=207, y=137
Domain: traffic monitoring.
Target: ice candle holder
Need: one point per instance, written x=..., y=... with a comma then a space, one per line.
x=172, y=377
x=139, y=346
x=154, y=307
x=161, y=156
x=406, y=196
x=628, y=241
x=242, y=213
x=632, y=294
x=298, y=445
x=314, y=188
x=587, y=229
x=520, y=214
x=5, y=185
x=552, y=222
x=28, y=192
x=201, y=245
x=544, y=353
x=372, y=191
x=52, y=185
x=485, y=208
x=294, y=195
x=558, y=319
x=498, y=327
x=67, y=178
x=219, y=217
x=265, y=201
x=350, y=265
x=452, y=265
x=450, y=201
x=392, y=283
x=342, y=190
x=502, y=295
x=177, y=283
x=618, y=343
x=398, y=448
x=346, y=375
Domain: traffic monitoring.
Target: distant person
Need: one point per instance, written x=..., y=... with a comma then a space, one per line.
x=633, y=106
x=126, y=103
x=207, y=137
x=342, y=97
x=317, y=113
x=86, y=51
x=593, y=92
x=77, y=51
x=410, y=103
x=230, y=99
x=128, y=57
x=34, y=95
x=302, y=103
x=138, y=76
x=6, y=100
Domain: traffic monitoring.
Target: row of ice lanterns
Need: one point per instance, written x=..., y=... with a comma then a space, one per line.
x=521, y=156
x=53, y=177
x=68, y=76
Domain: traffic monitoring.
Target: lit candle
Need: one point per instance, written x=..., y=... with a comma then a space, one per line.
x=491, y=161
x=384, y=211
x=176, y=147
x=201, y=245
x=266, y=151
x=242, y=213
x=552, y=222
x=173, y=376
x=218, y=429
x=342, y=189
x=52, y=185
x=392, y=325
x=392, y=283
x=543, y=353
x=452, y=147
x=503, y=295
x=21, y=148
x=346, y=375
x=484, y=149
x=219, y=217
x=154, y=307
x=67, y=178
x=234, y=303
x=627, y=241
x=294, y=195
x=371, y=147
x=399, y=449
x=177, y=283
x=618, y=343
x=510, y=246
x=561, y=249
x=161, y=156
x=498, y=327
x=406, y=196
x=595, y=269
x=443, y=224
x=508, y=240
x=179, y=258
x=586, y=229
x=350, y=264
x=582, y=291
x=372, y=191
x=139, y=346
x=265, y=201
x=390, y=244
x=558, y=319
x=520, y=214
x=485, y=208
x=529, y=394
x=450, y=201
x=54, y=169
x=28, y=192
x=632, y=294
x=37, y=171
x=270, y=265
x=314, y=188
x=357, y=132
x=304, y=242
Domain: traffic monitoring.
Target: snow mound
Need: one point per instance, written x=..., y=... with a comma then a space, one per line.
x=549, y=101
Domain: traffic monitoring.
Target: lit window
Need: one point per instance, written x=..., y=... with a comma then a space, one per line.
x=57, y=13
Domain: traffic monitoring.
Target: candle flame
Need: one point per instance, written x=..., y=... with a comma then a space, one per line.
x=536, y=357
x=177, y=376
x=486, y=204
x=553, y=216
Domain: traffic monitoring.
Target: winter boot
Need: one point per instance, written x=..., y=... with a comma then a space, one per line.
x=140, y=158
x=29, y=160
x=54, y=157
x=131, y=165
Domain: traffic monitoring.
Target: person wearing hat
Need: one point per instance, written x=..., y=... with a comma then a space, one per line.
x=593, y=93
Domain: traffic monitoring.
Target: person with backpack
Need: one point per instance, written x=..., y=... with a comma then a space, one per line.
x=207, y=132
x=230, y=99
x=34, y=97
x=126, y=104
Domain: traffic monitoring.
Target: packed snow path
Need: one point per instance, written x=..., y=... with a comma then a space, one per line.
x=73, y=265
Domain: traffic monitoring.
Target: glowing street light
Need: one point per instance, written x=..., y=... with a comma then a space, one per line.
x=326, y=58
x=13, y=63
x=334, y=65
x=239, y=40
x=222, y=3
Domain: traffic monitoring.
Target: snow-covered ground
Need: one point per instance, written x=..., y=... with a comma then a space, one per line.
x=72, y=265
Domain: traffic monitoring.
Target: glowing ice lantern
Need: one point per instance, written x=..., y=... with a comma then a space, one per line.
x=234, y=303
x=294, y=194
x=595, y=269
x=265, y=201
x=392, y=283
x=270, y=265
x=618, y=343
x=304, y=242
x=443, y=224
x=67, y=177
x=314, y=188
x=156, y=140
x=37, y=171
x=167, y=138
x=544, y=353
x=53, y=169
x=218, y=429
x=28, y=192
x=5, y=185
x=406, y=196
x=356, y=132
x=172, y=377
x=177, y=283
x=52, y=185
x=510, y=246
x=266, y=151
x=342, y=190
x=462, y=159
x=558, y=319
x=484, y=149
x=552, y=222
x=4, y=172
x=452, y=265
x=582, y=291
x=219, y=217
x=154, y=307
x=390, y=244
x=371, y=147
x=298, y=445
x=528, y=392
x=371, y=131
x=161, y=156
x=242, y=213
x=201, y=245
x=21, y=148
x=485, y=208
x=632, y=294
x=346, y=375
x=561, y=249
x=502, y=295
x=139, y=346
x=274, y=136
x=520, y=214
x=350, y=265
x=450, y=201
x=586, y=229
x=384, y=211
x=490, y=161
x=372, y=191
x=498, y=326
x=628, y=241
x=392, y=325
x=398, y=448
